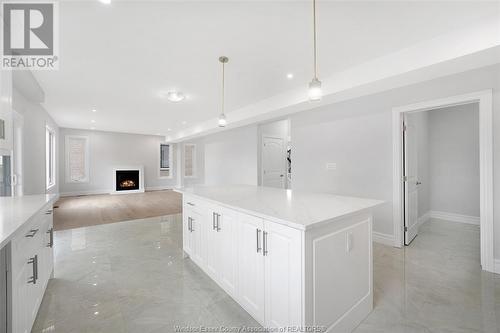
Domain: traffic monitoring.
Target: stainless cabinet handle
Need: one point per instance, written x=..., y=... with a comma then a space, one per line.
x=191, y=204
x=49, y=212
x=213, y=221
x=51, y=237
x=34, y=261
x=218, y=222
x=258, y=241
x=32, y=233
x=264, y=252
x=191, y=222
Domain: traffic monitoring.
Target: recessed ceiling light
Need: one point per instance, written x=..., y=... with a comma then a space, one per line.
x=184, y=122
x=92, y=121
x=175, y=96
x=106, y=2
x=169, y=129
x=289, y=76
x=92, y=128
x=94, y=110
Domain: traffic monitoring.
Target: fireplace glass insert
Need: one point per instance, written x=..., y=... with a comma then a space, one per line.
x=127, y=180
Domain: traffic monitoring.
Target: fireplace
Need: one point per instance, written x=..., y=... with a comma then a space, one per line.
x=127, y=180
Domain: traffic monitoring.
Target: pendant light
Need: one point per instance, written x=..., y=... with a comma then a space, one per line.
x=222, y=117
x=315, y=91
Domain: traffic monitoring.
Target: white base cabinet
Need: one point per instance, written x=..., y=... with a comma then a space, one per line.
x=284, y=277
x=29, y=270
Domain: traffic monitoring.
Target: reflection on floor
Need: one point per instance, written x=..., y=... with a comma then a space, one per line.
x=131, y=277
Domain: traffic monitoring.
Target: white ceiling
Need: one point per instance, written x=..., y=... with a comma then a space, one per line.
x=117, y=58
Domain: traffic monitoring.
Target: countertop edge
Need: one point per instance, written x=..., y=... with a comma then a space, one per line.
x=278, y=220
x=14, y=234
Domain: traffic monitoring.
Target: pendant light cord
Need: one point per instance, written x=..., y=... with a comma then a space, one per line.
x=314, y=38
x=223, y=86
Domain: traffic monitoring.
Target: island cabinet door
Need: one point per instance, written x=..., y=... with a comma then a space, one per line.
x=251, y=289
x=226, y=228
x=282, y=250
x=212, y=238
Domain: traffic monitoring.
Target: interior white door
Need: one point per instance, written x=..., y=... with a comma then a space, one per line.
x=411, y=179
x=251, y=266
x=283, y=278
x=17, y=162
x=273, y=162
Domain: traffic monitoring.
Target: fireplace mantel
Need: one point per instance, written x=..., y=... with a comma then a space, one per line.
x=140, y=169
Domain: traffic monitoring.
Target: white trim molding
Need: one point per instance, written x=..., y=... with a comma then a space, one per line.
x=484, y=98
x=454, y=217
x=382, y=238
x=497, y=266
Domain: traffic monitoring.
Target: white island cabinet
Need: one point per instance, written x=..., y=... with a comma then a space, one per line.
x=26, y=247
x=291, y=259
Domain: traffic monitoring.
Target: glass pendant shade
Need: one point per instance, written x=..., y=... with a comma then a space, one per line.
x=222, y=120
x=315, y=93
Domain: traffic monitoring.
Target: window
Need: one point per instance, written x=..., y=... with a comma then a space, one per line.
x=165, y=160
x=189, y=160
x=50, y=157
x=77, y=159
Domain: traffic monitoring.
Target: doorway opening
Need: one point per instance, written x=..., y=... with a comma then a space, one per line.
x=275, y=157
x=407, y=183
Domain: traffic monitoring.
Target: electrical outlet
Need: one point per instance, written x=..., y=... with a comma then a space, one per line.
x=331, y=166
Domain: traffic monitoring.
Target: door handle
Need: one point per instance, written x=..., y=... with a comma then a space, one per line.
x=51, y=237
x=192, y=229
x=264, y=244
x=189, y=224
x=213, y=221
x=258, y=241
x=33, y=261
x=218, y=222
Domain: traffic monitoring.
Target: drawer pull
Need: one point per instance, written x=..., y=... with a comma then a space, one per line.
x=191, y=204
x=32, y=233
x=49, y=212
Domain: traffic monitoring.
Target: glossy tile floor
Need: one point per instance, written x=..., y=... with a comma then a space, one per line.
x=131, y=277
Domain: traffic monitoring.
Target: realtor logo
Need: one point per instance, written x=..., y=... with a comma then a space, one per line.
x=29, y=38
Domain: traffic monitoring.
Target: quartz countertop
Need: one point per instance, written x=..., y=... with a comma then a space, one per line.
x=301, y=210
x=16, y=211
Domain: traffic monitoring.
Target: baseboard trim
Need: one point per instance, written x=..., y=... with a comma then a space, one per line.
x=496, y=266
x=108, y=191
x=454, y=217
x=78, y=193
x=382, y=238
x=159, y=188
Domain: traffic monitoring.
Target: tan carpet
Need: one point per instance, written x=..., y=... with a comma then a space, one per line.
x=83, y=211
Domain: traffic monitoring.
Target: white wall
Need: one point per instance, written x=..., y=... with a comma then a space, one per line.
x=36, y=119
x=357, y=135
x=109, y=150
x=454, y=159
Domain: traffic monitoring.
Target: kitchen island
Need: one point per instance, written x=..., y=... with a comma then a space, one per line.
x=26, y=254
x=290, y=259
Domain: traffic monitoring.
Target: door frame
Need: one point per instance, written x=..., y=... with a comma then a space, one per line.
x=485, y=100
